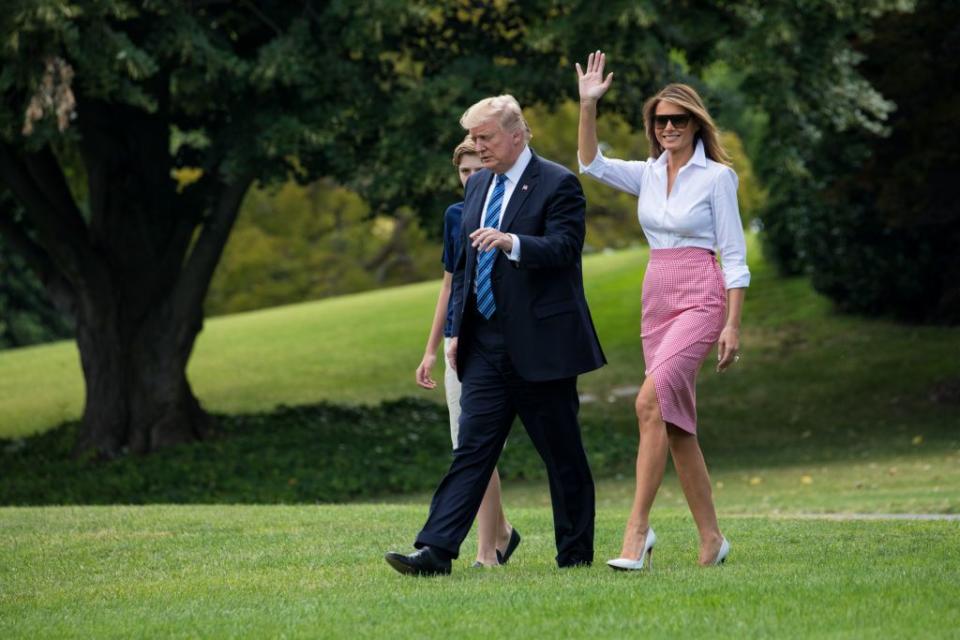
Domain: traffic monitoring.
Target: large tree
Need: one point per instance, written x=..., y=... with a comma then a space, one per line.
x=883, y=236
x=104, y=99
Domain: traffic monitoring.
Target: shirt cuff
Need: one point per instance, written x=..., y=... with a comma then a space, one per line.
x=514, y=255
x=736, y=276
x=596, y=167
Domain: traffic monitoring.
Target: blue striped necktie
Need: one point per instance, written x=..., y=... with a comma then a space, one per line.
x=485, y=304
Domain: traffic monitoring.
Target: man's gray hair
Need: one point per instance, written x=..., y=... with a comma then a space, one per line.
x=504, y=109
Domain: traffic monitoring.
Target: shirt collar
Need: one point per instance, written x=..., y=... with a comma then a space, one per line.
x=698, y=159
x=699, y=155
x=513, y=173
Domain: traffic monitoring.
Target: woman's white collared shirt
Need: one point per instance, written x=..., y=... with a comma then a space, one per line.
x=701, y=210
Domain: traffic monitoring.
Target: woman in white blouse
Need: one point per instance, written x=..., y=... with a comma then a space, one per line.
x=687, y=206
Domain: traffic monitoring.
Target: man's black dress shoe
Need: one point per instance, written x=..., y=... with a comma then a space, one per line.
x=425, y=562
x=511, y=547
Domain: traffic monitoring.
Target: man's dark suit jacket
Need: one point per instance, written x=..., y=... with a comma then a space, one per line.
x=541, y=307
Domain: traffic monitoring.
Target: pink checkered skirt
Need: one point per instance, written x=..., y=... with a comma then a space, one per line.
x=684, y=308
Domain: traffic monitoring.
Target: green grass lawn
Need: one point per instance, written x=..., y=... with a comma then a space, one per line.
x=825, y=414
x=357, y=348
x=306, y=571
x=897, y=485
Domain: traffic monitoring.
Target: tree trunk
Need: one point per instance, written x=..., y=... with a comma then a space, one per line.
x=138, y=398
x=134, y=269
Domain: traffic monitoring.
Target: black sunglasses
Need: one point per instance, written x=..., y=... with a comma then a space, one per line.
x=679, y=120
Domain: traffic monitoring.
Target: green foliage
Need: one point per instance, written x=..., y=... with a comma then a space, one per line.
x=263, y=85
x=26, y=314
x=799, y=69
x=732, y=108
x=611, y=214
x=884, y=237
x=858, y=193
x=310, y=83
x=314, y=453
x=298, y=243
x=751, y=195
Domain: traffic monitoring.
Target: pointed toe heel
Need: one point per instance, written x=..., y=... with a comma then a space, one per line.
x=628, y=564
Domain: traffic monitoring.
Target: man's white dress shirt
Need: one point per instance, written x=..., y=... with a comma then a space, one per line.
x=512, y=178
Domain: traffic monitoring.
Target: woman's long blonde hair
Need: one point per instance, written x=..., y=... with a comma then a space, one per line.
x=686, y=97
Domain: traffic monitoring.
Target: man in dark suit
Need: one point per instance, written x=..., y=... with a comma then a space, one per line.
x=524, y=334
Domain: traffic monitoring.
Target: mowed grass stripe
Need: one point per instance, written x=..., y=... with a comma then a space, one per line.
x=304, y=571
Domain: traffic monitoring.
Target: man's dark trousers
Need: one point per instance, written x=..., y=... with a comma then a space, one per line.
x=492, y=395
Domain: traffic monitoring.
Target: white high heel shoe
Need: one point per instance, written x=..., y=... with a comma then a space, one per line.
x=626, y=564
x=722, y=554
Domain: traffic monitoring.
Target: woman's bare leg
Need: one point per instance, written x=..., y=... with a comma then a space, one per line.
x=695, y=480
x=651, y=463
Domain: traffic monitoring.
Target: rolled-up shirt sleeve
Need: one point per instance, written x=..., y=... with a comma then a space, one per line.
x=731, y=244
x=625, y=175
